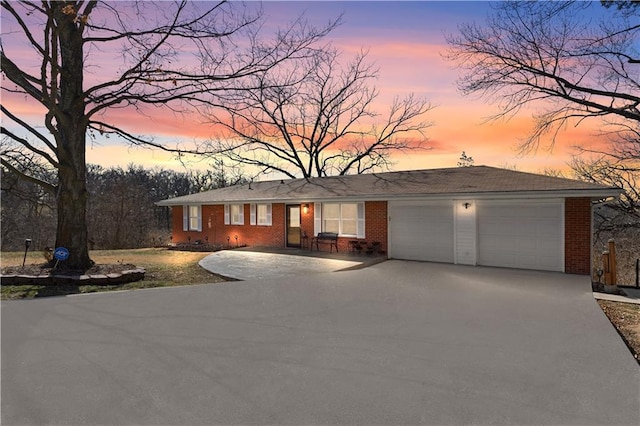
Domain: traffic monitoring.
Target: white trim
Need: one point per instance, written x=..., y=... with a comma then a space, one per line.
x=563, y=234
x=185, y=217
x=360, y=220
x=254, y=211
x=317, y=218
x=468, y=217
x=269, y=215
x=228, y=214
x=591, y=265
x=252, y=214
x=515, y=195
x=240, y=220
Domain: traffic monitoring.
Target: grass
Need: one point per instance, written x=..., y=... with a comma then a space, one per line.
x=164, y=268
x=625, y=317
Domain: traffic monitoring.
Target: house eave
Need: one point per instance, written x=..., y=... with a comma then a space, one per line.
x=594, y=194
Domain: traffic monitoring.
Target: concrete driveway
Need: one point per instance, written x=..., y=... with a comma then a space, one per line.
x=395, y=343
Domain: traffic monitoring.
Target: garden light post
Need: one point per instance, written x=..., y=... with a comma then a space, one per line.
x=27, y=243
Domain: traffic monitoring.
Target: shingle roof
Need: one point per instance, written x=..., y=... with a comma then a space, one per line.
x=459, y=181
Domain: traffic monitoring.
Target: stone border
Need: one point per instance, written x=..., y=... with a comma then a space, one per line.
x=123, y=277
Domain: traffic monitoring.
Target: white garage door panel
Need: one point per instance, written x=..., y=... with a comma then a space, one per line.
x=420, y=232
x=521, y=236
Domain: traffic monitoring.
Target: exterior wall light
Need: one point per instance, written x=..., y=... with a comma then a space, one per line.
x=466, y=205
x=27, y=244
x=305, y=208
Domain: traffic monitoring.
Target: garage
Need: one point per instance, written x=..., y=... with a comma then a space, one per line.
x=524, y=234
x=527, y=235
x=421, y=231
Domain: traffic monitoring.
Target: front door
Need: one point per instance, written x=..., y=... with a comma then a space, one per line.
x=293, y=226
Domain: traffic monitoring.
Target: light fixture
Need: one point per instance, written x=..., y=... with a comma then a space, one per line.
x=466, y=205
x=305, y=208
x=27, y=243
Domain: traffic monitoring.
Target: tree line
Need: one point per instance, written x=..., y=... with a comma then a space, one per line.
x=121, y=212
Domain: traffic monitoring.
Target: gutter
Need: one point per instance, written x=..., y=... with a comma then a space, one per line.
x=599, y=195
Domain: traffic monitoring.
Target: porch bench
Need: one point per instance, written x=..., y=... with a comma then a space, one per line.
x=330, y=238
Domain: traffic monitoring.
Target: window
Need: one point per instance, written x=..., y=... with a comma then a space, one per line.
x=331, y=218
x=344, y=218
x=192, y=218
x=234, y=214
x=261, y=214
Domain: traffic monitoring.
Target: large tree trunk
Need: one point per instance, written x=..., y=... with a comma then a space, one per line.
x=72, y=202
x=71, y=124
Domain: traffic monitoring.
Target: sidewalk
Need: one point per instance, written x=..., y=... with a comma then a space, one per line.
x=632, y=296
x=257, y=263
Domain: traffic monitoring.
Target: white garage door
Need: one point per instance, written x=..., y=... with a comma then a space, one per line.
x=528, y=236
x=421, y=232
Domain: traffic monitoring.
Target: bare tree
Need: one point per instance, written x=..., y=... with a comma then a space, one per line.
x=153, y=46
x=575, y=62
x=613, y=170
x=316, y=119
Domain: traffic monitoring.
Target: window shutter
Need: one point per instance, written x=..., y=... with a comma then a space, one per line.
x=200, y=218
x=241, y=216
x=252, y=217
x=185, y=218
x=226, y=214
x=360, y=224
x=268, y=214
x=317, y=218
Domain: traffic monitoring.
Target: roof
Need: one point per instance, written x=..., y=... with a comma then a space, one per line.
x=458, y=182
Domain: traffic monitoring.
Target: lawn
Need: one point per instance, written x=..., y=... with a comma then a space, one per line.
x=164, y=268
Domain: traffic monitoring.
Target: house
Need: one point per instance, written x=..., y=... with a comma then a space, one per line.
x=466, y=215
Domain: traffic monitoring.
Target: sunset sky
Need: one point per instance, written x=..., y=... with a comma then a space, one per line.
x=406, y=40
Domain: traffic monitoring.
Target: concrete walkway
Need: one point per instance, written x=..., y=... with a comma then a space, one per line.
x=395, y=343
x=248, y=264
x=632, y=295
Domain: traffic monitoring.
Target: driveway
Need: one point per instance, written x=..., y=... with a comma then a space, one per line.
x=395, y=343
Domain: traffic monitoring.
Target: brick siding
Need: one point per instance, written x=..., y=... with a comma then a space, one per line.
x=577, y=236
x=216, y=231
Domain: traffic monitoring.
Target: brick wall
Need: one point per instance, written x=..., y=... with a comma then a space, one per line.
x=577, y=236
x=376, y=222
x=214, y=228
x=217, y=232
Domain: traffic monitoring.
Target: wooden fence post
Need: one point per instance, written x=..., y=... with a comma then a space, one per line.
x=612, y=262
x=606, y=267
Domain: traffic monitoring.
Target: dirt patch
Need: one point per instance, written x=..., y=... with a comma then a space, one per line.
x=625, y=317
